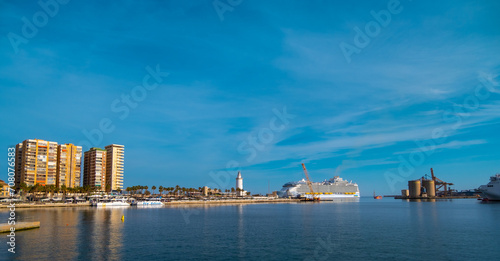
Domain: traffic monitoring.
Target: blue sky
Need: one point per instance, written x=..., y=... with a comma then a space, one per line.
x=433, y=69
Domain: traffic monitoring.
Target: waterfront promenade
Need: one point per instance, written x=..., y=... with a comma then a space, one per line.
x=169, y=203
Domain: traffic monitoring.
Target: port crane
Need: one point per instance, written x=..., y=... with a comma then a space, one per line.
x=309, y=183
x=440, y=184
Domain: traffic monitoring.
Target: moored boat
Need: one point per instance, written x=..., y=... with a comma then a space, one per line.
x=149, y=203
x=110, y=202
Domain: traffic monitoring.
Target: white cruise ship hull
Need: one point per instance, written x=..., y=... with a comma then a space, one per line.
x=327, y=197
x=491, y=191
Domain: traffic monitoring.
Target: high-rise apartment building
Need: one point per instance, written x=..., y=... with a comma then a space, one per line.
x=68, y=165
x=19, y=165
x=94, y=168
x=47, y=163
x=36, y=162
x=114, y=167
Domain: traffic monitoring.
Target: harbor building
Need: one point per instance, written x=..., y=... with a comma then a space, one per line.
x=94, y=168
x=114, y=167
x=4, y=189
x=36, y=162
x=68, y=165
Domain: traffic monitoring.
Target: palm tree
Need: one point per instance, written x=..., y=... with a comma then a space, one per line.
x=43, y=189
x=160, y=189
x=153, y=188
x=48, y=190
x=23, y=188
x=177, y=188
x=35, y=189
x=64, y=189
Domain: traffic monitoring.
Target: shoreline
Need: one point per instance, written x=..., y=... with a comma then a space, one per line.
x=170, y=203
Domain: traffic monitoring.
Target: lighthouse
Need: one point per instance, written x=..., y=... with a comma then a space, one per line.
x=239, y=185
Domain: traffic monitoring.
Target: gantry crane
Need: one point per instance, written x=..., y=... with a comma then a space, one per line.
x=309, y=183
x=440, y=184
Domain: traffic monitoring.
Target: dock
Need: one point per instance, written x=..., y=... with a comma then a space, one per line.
x=443, y=197
x=5, y=227
x=45, y=205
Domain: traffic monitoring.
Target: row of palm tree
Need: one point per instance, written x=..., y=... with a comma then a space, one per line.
x=172, y=191
x=46, y=190
x=37, y=188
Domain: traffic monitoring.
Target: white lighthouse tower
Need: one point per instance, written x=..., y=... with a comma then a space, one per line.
x=239, y=185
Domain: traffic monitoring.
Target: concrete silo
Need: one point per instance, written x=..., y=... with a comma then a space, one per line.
x=430, y=187
x=414, y=188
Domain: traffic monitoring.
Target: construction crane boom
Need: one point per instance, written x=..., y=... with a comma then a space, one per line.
x=438, y=184
x=308, y=181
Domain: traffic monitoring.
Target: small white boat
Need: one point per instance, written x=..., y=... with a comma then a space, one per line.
x=149, y=203
x=112, y=202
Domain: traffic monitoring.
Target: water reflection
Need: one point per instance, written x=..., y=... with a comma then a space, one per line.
x=71, y=234
x=371, y=229
x=241, y=232
x=101, y=233
x=60, y=225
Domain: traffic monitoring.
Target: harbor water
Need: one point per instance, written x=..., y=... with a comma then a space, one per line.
x=362, y=229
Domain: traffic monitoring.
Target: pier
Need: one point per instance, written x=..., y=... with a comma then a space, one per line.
x=5, y=227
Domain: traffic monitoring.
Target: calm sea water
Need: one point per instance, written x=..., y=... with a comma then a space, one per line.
x=366, y=229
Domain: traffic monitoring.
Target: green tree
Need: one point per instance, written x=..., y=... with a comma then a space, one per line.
x=64, y=189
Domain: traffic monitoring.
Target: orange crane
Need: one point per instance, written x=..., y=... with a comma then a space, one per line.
x=309, y=183
x=440, y=184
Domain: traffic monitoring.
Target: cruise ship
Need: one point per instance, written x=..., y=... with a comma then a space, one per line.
x=491, y=191
x=326, y=190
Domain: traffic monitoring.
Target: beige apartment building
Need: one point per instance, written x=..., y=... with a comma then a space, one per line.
x=47, y=163
x=68, y=165
x=114, y=167
x=36, y=162
x=94, y=168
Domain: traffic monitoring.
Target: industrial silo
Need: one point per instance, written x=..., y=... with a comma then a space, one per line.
x=414, y=188
x=430, y=187
x=405, y=193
